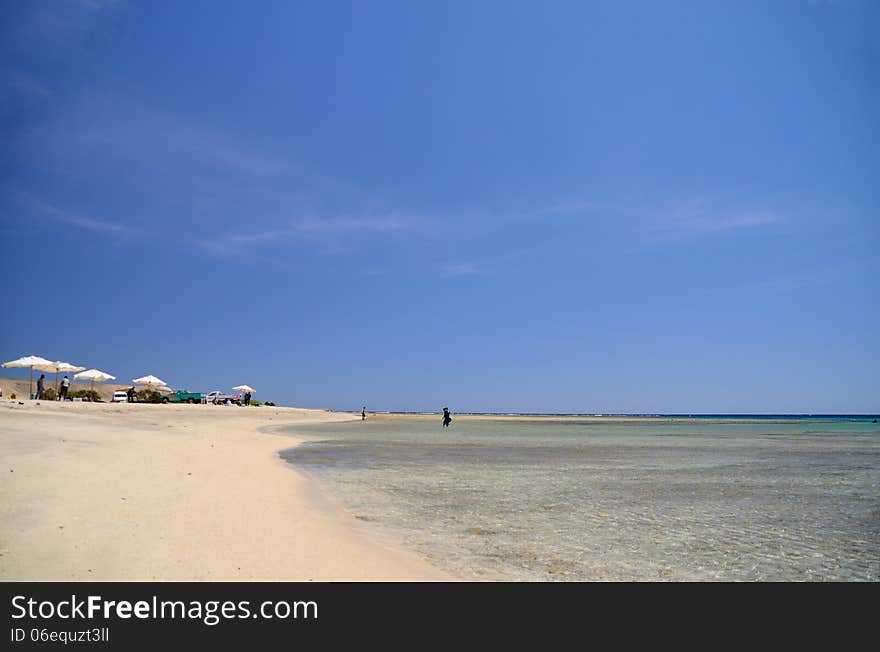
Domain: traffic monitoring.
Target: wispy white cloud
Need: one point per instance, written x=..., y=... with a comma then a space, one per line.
x=311, y=229
x=462, y=269
x=192, y=173
x=99, y=226
x=385, y=224
x=661, y=220
x=696, y=218
x=620, y=226
x=78, y=220
x=133, y=131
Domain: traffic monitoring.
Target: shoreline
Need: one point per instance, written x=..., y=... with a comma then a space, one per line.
x=610, y=419
x=138, y=492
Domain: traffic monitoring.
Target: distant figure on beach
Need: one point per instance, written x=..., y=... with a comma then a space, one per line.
x=247, y=398
x=363, y=413
x=40, y=386
x=130, y=394
x=65, y=386
x=447, y=418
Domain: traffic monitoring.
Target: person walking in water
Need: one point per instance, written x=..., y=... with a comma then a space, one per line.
x=363, y=413
x=447, y=418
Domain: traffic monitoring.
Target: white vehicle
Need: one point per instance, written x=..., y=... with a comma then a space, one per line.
x=119, y=397
x=219, y=398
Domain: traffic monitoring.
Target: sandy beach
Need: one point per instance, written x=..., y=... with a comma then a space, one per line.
x=118, y=492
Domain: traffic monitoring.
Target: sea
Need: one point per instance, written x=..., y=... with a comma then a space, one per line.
x=753, y=498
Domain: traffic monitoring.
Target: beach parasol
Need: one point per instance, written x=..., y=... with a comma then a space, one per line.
x=150, y=382
x=94, y=375
x=58, y=367
x=29, y=361
x=244, y=388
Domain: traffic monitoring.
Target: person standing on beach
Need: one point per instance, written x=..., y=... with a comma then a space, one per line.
x=65, y=386
x=40, y=386
x=363, y=413
x=447, y=418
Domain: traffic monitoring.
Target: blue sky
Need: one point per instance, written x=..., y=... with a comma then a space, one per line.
x=495, y=206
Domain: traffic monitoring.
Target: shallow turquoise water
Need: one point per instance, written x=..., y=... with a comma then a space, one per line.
x=558, y=499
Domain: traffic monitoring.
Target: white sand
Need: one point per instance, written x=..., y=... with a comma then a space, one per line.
x=174, y=492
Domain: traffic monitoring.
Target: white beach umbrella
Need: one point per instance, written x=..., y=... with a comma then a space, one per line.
x=29, y=361
x=245, y=388
x=165, y=389
x=150, y=382
x=95, y=376
x=58, y=367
